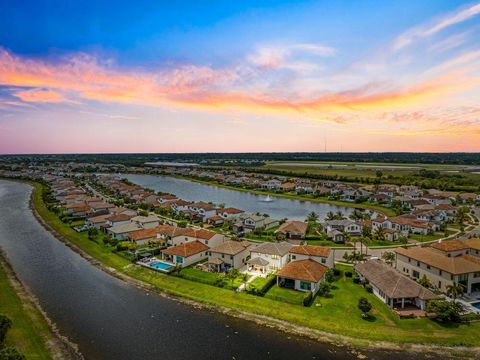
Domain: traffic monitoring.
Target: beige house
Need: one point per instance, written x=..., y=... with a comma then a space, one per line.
x=230, y=254
x=321, y=254
x=392, y=287
x=207, y=237
x=146, y=222
x=186, y=254
x=441, y=268
x=274, y=256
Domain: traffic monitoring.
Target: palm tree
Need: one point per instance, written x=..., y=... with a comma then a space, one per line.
x=330, y=216
x=339, y=215
x=455, y=290
x=389, y=257
x=380, y=233
x=312, y=217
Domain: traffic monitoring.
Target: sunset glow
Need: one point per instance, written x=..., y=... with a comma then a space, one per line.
x=305, y=77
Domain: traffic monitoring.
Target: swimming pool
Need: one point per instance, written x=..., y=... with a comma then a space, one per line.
x=160, y=265
x=476, y=305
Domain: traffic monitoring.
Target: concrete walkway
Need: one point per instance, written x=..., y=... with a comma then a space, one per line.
x=241, y=287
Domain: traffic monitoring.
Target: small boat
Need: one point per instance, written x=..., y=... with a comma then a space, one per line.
x=267, y=199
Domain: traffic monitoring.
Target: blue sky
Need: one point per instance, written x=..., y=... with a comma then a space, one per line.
x=327, y=67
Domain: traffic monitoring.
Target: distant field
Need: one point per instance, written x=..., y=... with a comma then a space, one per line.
x=368, y=170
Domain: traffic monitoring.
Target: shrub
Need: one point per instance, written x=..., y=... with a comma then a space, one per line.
x=10, y=353
x=324, y=288
x=348, y=274
x=364, y=306
x=356, y=280
x=369, y=288
x=307, y=298
x=329, y=277
x=5, y=324
x=336, y=272
x=445, y=310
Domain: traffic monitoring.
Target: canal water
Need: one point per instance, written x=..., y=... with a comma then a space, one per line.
x=110, y=319
x=279, y=208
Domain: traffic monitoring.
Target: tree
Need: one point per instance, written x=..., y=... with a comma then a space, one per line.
x=388, y=257
x=92, y=232
x=232, y=275
x=329, y=276
x=380, y=233
x=365, y=307
x=462, y=216
x=445, y=310
x=312, y=217
x=10, y=353
x=324, y=289
x=330, y=216
x=425, y=282
x=455, y=290
x=5, y=324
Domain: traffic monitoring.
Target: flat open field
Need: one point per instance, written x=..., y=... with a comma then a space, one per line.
x=369, y=170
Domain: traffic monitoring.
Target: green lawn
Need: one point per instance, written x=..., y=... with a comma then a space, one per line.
x=285, y=295
x=338, y=314
x=29, y=332
x=430, y=237
x=210, y=278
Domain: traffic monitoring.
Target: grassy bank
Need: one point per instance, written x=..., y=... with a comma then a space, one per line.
x=30, y=332
x=338, y=314
x=368, y=206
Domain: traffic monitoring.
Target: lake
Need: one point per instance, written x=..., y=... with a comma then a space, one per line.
x=110, y=319
x=279, y=208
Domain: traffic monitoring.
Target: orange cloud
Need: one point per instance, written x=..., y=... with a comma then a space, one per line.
x=40, y=96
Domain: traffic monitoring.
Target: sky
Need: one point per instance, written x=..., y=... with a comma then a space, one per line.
x=239, y=76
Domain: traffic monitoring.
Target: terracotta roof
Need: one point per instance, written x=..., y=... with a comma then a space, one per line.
x=201, y=234
x=230, y=210
x=463, y=264
x=293, y=227
x=144, y=233
x=306, y=270
x=119, y=217
x=311, y=250
x=172, y=231
x=186, y=249
x=231, y=247
x=394, y=284
x=450, y=245
x=473, y=243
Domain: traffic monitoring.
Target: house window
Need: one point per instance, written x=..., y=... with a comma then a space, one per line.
x=476, y=275
x=324, y=260
x=305, y=285
x=418, y=263
x=415, y=274
x=275, y=257
x=231, y=257
x=179, y=260
x=206, y=242
x=439, y=284
x=294, y=257
x=428, y=266
x=440, y=272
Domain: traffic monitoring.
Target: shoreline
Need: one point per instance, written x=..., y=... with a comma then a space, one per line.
x=376, y=208
x=355, y=344
x=59, y=346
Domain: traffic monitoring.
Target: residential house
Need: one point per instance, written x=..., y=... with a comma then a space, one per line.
x=205, y=210
x=272, y=184
x=229, y=254
x=302, y=275
x=440, y=269
x=345, y=226
x=230, y=212
x=207, y=237
x=186, y=254
x=293, y=229
x=392, y=287
x=146, y=222
x=275, y=254
x=321, y=254
x=120, y=232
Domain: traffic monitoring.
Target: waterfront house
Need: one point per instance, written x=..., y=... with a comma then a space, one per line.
x=186, y=254
x=321, y=254
x=146, y=222
x=120, y=232
x=275, y=254
x=207, y=237
x=393, y=288
x=120, y=219
x=97, y=221
x=230, y=212
x=345, y=226
x=143, y=236
x=293, y=229
x=302, y=275
x=205, y=210
x=230, y=254
x=439, y=268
